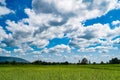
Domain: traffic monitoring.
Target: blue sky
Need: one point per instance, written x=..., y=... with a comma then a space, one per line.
x=57, y=30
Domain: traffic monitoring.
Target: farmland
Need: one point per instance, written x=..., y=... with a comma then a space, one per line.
x=60, y=72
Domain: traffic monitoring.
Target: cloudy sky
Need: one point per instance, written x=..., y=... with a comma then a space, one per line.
x=60, y=30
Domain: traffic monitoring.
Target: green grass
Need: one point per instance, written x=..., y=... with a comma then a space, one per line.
x=60, y=72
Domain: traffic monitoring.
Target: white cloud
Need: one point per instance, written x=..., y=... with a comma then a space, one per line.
x=2, y=44
x=42, y=43
x=5, y=52
x=117, y=22
x=37, y=52
x=76, y=57
x=18, y=51
x=58, y=49
x=51, y=19
x=80, y=8
x=92, y=49
x=2, y=34
x=39, y=32
x=21, y=33
x=37, y=35
x=3, y=9
x=3, y=2
x=91, y=36
x=20, y=26
x=116, y=41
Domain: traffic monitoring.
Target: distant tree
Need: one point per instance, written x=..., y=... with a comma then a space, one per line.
x=101, y=62
x=13, y=62
x=37, y=62
x=84, y=61
x=114, y=61
x=94, y=62
x=7, y=62
x=66, y=62
x=107, y=62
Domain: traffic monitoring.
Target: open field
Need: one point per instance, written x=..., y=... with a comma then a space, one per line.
x=60, y=72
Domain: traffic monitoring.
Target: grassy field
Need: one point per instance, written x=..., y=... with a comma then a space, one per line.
x=60, y=72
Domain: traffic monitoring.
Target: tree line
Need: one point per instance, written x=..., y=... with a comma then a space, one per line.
x=82, y=62
x=112, y=61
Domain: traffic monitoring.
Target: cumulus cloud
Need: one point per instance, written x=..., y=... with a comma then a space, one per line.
x=18, y=51
x=2, y=2
x=92, y=35
x=49, y=19
x=20, y=33
x=116, y=41
x=34, y=33
x=58, y=49
x=5, y=52
x=3, y=9
x=116, y=23
x=34, y=30
x=2, y=34
x=67, y=8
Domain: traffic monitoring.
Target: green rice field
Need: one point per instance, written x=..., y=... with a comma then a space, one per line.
x=59, y=72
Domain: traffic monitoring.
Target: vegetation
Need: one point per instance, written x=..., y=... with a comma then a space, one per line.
x=60, y=72
x=114, y=61
x=83, y=62
x=41, y=70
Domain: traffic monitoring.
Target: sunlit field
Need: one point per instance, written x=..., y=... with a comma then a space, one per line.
x=59, y=72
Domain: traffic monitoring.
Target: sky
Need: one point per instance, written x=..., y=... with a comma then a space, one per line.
x=60, y=30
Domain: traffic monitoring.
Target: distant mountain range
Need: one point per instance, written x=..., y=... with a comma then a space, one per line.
x=11, y=59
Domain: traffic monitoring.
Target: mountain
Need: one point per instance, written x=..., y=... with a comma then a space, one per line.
x=11, y=59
